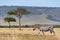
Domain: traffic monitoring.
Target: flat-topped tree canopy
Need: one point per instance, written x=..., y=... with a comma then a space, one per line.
x=9, y=19
x=12, y=12
x=22, y=11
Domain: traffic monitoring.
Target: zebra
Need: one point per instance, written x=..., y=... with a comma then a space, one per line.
x=44, y=28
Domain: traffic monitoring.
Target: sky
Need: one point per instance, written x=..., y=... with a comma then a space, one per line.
x=43, y=3
x=34, y=19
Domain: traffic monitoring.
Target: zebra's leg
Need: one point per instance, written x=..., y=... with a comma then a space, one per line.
x=43, y=32
x=53, y=32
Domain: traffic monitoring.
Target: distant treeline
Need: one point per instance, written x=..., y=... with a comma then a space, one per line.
x=56, y=26
x=25, y=26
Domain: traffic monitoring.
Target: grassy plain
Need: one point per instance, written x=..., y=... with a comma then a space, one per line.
x=27, y=34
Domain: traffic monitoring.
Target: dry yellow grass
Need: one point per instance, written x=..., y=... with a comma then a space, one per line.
x=26, y=37
x=26, y=34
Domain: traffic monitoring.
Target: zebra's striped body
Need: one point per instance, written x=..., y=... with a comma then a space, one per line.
x=44, y=28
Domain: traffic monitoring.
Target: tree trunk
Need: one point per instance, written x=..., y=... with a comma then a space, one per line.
x=19, y=23
x=9, y=24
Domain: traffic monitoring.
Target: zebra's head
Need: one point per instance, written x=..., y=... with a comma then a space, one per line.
x=36, y=26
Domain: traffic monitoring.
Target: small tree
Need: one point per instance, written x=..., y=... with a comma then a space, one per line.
x=19, y=12
x=9, y=19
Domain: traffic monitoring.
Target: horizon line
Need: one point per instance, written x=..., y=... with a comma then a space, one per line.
x=31, y=6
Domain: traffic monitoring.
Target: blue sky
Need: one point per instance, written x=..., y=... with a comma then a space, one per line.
x=44, y=3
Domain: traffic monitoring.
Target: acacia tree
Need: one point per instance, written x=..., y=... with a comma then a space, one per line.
x=19, y=12
x=9, y=19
